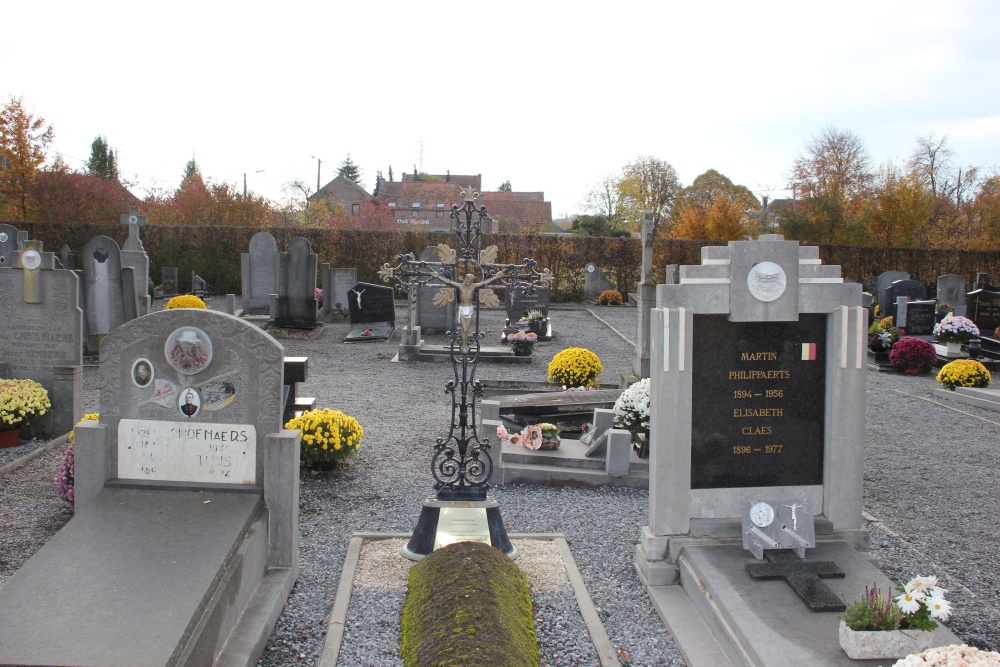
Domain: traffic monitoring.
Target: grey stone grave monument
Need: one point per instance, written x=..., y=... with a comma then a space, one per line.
x=11, y=242
x=594, y=282
x=916, y=318
x=373, y=310
x=184, y=544
x=259, y=273
x=198, y=286
x=168, y=278
x=757, y=391
x=294, y=305
x=109, y=291
x=430, y=318
x=336, y=283
x=911, y=290
x=645, y=298
x=67, y=258
x=41, y=334
x=951, y=291
x=134, y=255
x=885, y=280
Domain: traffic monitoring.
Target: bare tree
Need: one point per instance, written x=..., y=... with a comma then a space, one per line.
x=606, y=199
x=836, y=165
x=931, y=159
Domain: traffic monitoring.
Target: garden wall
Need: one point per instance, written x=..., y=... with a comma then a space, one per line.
x=214, y=253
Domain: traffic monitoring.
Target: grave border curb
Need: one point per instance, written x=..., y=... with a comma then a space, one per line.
x=337, y=620
x=32, y=455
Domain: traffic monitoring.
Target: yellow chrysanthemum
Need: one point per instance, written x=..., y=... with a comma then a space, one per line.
x=575, y=367
x=964, y=373
x=327, y=435
x=185, y=301
x=21, y=402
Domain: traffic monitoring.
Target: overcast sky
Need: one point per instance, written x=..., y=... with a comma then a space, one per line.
x=550, y=95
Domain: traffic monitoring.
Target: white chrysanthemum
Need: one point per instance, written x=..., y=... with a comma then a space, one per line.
x=631, y=411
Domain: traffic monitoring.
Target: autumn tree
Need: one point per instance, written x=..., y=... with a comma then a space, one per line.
x=607, y=199
x=714, y=208
x=834, y=177
x=24, y=140
x=350, y=171
x=374, y=215
x=102, y=162
x=898, y=212
x=647, y=184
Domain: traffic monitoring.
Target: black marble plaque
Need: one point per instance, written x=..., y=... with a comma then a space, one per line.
x=519, y=301
x=920, y=318
x=758, y=395
x=984, y=309
x=912, y=289
x=369, y=304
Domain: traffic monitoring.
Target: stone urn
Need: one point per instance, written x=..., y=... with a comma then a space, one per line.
x=883, y=644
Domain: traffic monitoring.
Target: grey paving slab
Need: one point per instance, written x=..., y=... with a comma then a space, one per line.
x=136, y=543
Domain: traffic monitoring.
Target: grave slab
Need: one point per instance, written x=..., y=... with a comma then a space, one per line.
x=765, y=623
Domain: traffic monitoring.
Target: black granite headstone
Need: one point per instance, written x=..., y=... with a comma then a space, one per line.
x=983, y=308
x=912, y=289
x=168, y=278
x=920, y=318
x=371, y=309
x=758, y=391
x=519, y=301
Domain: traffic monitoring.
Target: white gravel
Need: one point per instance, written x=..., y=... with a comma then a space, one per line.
x=930, y=481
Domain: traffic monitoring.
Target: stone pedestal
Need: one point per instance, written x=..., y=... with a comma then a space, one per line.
x=646, y=293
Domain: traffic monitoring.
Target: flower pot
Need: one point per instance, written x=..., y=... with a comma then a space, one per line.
x=10, y=438
x=910, y=370
x=550, y=443
x=521, y=353
x=876, y=644
x=954, y=349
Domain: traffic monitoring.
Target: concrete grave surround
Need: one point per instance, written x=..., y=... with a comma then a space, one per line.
x=41, y=340
x=176, y=571
x=259, y=272
x=719, y=287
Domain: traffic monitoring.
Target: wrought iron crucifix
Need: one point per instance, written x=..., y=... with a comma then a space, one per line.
x=461, y=464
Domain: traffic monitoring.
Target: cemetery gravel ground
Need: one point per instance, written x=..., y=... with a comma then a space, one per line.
x=930, y=483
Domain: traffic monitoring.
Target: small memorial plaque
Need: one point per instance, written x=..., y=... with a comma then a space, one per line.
x=187, y=452
x=758, y=396
x=461, y=524
x=920, y=318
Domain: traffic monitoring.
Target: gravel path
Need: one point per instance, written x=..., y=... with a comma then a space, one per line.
x=930, y=483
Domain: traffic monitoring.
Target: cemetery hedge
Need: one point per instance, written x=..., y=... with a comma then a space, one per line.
x=214, y=253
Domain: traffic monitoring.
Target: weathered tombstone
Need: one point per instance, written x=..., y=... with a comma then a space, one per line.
x=520, y=301
x=168, y=278
x=67, y=258
x=885, y=280
x=951, y=291
x=916, y=318
x=373, y=310
x=10, y=244
x=134, y=256
x=342, y=280
x=983, y=308
x=186, y=498
x=432, y=319
x=259, y=272
x=757, y=391
x=594, y=282
x=294, y=304
x=107, y=299
x=198, y=286
x=912, y=290
x=41, y=333
x=645, y=300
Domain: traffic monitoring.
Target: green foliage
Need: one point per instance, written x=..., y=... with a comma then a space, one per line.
x=102, y=162
x=191, y=169
x=504, y=187
x=350, y=171
x=874, y=611
x=467, y=605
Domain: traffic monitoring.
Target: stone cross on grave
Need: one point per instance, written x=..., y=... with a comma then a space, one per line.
x=33, y=260
x=647, y=247
x=804, y=577
x=134, y=222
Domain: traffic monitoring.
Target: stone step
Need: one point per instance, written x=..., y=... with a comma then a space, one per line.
x=988, y=399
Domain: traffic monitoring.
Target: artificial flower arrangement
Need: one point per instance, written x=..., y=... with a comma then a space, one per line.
x=575, y=367
x=185, y=301
x=65, y=475
x=21, y=403
x=964, y=373
x=632, y=408
x=327, y=435
x=319, y=294
x=920, y=601
x=523, y=343
x=367, y=332
x=610, y=297
x=882, y=338
x=912, y=355
x=535, y=436
x=953, y=655
x=955, y=329
x=532, y=316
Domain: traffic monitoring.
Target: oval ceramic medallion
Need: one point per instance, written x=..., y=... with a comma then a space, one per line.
x=766, y=281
